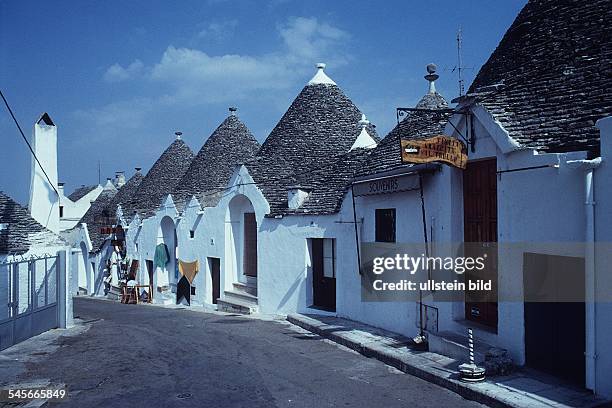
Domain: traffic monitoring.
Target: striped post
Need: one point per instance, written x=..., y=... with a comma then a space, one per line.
x=471, y=345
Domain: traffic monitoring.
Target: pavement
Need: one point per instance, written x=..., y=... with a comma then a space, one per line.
x=149, y=356
x=522, y=389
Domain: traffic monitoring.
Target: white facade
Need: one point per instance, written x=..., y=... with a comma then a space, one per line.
x=539, y=206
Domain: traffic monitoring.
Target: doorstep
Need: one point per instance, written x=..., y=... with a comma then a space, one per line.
x=521, y=389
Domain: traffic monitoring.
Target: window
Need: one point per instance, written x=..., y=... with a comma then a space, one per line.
x=61, y=211
x=385, y=225
x=191, y=234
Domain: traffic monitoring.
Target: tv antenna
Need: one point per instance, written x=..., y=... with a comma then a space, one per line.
x=459, y=68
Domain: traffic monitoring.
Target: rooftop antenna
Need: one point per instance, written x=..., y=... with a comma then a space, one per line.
x=459, y=67
x=98, y=172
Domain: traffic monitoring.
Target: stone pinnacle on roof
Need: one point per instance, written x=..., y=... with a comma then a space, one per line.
x=364, y=140
x=178, y=135
x=431, y=77
x=363, y=122
x=321, y=77
x=232, y=110
x=109, y=184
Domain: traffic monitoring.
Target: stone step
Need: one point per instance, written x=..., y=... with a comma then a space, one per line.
x=240, y=295
x=245, y=287
x=236, y=306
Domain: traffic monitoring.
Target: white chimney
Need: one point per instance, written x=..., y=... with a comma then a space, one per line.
x=60, y=188
x=44, y=201
x=119, y=179
x=296, y=196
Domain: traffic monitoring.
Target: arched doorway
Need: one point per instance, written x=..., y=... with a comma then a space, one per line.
x=166, y=235
x=241, y=236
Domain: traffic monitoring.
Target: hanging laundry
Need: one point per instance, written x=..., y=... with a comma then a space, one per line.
x=161, y=256
x=189, y=269
x=183, y=290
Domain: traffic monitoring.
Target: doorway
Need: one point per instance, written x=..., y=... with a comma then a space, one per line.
x=480, y=237
x=240, y=265
x=214, y=265
x=555, y=321
x=323, y=261
x=168, y=275
x=150, y=270
x=250, y=245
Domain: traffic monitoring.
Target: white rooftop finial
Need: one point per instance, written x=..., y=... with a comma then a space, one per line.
x=178, y=135
x=364, y=140
x=364, y=122
x=321, y=77
x=431, y=77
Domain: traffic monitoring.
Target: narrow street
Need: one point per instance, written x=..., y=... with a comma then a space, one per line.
x=159, y=357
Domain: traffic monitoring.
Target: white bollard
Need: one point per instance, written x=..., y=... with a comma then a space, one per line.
x=471, y=372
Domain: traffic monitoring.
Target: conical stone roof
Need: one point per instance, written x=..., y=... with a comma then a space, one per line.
x=229, y=145
x=161, y=179
x=548, y=81
x=312, y=137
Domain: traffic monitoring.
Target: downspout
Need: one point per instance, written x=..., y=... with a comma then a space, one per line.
x=356, y=231
x=589, y=262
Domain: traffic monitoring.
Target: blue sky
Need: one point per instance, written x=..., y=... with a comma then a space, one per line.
x=119, y=77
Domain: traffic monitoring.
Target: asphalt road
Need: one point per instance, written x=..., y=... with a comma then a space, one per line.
x=146, y=356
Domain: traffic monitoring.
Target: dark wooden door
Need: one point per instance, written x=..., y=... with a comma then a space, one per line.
x=150, y=271
x=324, y=285
x=249, y=261
x=480, y=236
x=555, y=329
x=215, y=275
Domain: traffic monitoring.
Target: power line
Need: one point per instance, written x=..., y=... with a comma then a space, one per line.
x=28, y=143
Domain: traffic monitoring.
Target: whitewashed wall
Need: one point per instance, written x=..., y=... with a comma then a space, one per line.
x=603, y=262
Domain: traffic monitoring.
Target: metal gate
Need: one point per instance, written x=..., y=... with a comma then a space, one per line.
x=28, y=298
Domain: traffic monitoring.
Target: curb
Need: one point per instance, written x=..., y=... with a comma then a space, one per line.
x=382, y=353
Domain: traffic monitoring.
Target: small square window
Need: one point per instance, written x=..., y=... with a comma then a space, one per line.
x=385, y=225
x=192, y=234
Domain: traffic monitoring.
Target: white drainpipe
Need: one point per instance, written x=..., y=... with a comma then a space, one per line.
x=589, y=260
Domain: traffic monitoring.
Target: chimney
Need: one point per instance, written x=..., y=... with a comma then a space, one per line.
x=296, y=196
x=137, y=169
x=178, y=135
x=119, y=179
x=60, y=188
x=44, y=202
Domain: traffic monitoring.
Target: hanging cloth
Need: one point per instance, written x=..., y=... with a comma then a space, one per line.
x=189, y=269
x=183, y=290
x=161, y=256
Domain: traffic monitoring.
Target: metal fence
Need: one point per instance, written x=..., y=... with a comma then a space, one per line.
x=29, y=292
